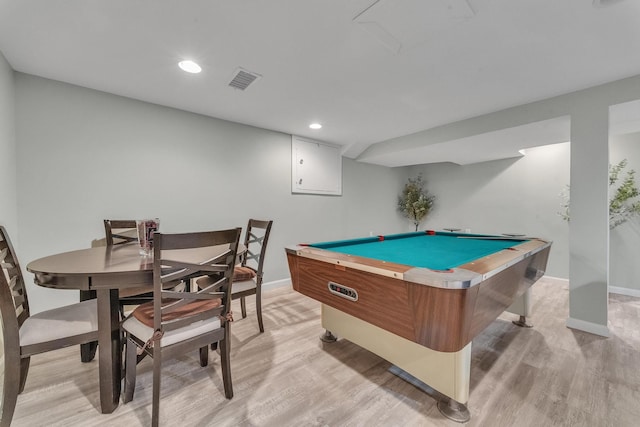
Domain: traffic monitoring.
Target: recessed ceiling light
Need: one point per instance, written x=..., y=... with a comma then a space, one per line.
x=315, y=126
x=189, y=66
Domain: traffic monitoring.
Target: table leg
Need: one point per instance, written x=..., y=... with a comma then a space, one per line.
x=109, y=349
x=88, y=350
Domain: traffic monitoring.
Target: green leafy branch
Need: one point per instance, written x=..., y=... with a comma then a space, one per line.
x=415, y=202
x=623, y=205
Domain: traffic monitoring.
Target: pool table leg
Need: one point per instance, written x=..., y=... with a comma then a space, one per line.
x=447, y=406
x=328, y=337
x=454, y=410
x=522, y=322
x=522, y=307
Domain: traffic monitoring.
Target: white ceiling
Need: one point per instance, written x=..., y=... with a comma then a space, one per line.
x=367, y=70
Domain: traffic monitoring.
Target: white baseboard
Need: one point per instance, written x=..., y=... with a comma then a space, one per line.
x=267, y=286
x=557, y=278
x=612, y=289
x=592, y=328
x=624, y=291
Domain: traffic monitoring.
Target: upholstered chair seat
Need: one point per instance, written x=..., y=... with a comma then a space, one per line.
x=58, y=323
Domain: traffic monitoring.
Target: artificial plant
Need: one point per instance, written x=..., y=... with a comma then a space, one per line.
x=623, y=204
x=415, y=202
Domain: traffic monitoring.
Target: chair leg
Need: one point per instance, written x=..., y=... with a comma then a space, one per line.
x=204, y=356
x=157, y=365
x=88, y=351
x=259, y=308
x=11, y=386
x=9, y=400
x=131, y=359
x=225, y=362
x=24, y=370
x=243, y=307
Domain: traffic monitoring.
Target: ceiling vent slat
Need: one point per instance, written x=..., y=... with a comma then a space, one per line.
x=243, y=78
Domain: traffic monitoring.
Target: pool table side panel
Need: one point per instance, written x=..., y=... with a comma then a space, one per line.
x=382, y=301
x=498, y=292
x=442, y=317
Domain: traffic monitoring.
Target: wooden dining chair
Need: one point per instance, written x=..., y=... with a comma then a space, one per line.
x=25, y=335
x=247, y=277
x=177, y=322
x=117, y=232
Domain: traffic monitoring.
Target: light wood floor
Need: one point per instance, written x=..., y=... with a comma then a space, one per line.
x=546, y=376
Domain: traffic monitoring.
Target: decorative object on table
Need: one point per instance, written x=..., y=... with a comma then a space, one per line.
x=623, y=205
x=146, y=228
x=23, y=335
x=415, y=202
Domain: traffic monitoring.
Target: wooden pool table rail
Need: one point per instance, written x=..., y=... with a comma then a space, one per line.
x=463, y=276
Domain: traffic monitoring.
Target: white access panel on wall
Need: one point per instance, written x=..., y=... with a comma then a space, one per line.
x=316, y=167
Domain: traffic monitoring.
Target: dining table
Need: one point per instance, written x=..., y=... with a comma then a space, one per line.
x=107, y=270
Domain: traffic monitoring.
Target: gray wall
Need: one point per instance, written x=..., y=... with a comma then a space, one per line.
x=624, y=269
x=85, y=155
x=520, y=195
x=8, y=205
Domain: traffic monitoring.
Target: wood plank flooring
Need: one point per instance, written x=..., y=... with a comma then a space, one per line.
x=546, y=376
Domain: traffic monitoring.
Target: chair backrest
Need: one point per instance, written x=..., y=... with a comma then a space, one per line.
x=14, y=310
x=118, y=231
x=12, y=278
x=181, y=257
x=255, y=240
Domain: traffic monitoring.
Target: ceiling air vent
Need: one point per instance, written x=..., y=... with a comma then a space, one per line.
x=243, y=78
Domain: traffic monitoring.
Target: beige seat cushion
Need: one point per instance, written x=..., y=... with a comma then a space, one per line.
x=62, y=322
x=245, y=285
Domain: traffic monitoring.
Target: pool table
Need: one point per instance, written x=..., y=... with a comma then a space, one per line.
x=418, y=299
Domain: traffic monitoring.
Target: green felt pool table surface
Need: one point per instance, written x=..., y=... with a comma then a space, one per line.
x=437, y=251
